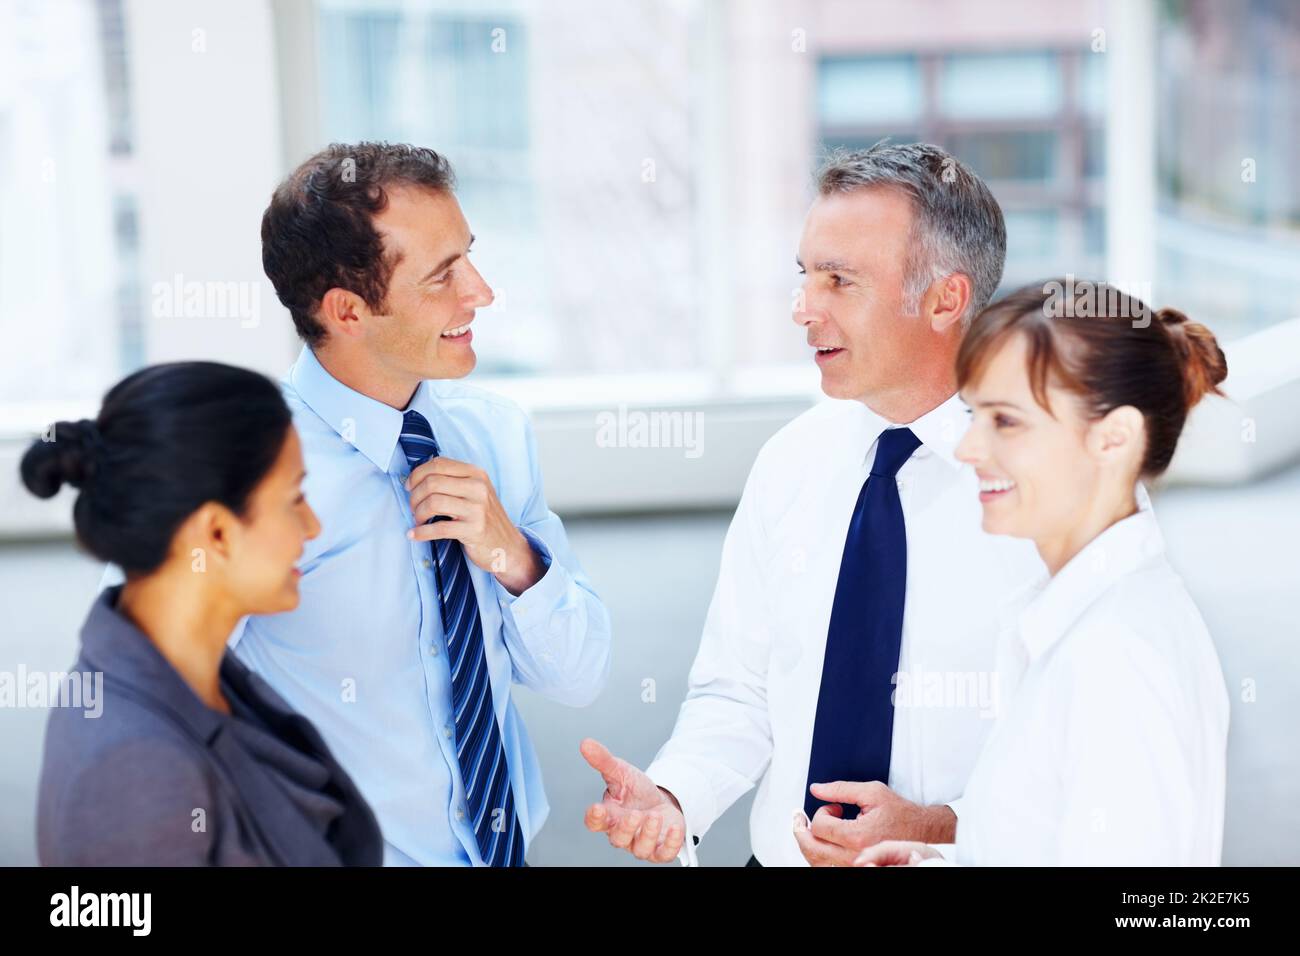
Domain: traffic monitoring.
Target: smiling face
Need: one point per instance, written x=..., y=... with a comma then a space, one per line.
x=853, y=254
x=423, y=331
x=262, y=575
x=1037, y=473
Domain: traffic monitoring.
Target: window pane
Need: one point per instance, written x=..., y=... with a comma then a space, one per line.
x=1019, y=155
x=1092, y=84
x=1094, y=152
x=997, y=86
x=868, y=90
x=1094, y=231
x=1031, y=237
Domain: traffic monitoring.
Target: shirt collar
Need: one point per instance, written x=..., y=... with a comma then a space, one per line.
x=1052, y=605
x=940, y=429
x=369, y=425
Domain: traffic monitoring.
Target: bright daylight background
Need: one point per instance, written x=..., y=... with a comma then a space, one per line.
x=636, y=174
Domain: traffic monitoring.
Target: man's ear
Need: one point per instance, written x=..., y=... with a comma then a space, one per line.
x=1118, y=438
x=946, y=301
x=342, y=312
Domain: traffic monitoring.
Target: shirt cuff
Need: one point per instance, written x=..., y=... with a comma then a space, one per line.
x=693, y=795
x=949, y=850
x=545, y=593
x=958, y=808
x=686, y=855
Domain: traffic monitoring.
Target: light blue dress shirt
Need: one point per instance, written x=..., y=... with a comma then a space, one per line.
x=364, y=656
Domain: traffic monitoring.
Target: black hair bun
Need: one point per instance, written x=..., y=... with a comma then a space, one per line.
x=70, y=456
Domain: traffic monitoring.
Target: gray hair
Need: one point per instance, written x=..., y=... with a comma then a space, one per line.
x=957, y=225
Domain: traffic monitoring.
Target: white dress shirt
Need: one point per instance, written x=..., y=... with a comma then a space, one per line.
x=1111, y=742
x=752, y=700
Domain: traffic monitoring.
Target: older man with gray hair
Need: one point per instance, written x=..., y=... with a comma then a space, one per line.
x=847, y=661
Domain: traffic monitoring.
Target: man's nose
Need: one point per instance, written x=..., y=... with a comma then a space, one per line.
x=479, y=294
x=801, y=311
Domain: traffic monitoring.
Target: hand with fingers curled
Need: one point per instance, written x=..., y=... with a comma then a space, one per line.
x=634, y=813
x=831, y=840
x=455, y=500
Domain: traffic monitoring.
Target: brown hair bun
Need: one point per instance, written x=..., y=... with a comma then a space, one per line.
x=1204, y=365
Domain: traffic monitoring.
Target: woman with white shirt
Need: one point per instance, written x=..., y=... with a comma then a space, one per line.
x=1111, y=737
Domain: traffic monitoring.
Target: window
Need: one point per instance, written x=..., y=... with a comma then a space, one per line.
x=1228, y=234
x=1028, y=122
x=573, y=137
x=853, y=91
x=1000, y=86
x=69, y=295
x=637, y=174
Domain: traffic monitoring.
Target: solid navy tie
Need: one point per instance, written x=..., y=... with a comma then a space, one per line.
x=479, y=750
x=855, y=713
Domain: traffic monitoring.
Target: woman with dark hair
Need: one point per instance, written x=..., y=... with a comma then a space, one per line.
x=189, y=481
x=1112, y=720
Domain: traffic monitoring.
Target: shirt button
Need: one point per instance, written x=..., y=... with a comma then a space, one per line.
x=433, y=649
x=447, y=731
x=425, y=562
x=460, y=814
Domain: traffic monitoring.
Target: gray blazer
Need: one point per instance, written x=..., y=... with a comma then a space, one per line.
x=161, y=779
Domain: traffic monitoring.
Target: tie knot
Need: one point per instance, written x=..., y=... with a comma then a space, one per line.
x=417, y=439
x=416, y=424
x=894, y=447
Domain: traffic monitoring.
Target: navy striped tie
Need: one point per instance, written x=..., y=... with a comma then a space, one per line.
x=482, y=757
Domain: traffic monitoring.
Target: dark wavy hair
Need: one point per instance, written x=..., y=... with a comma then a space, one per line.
x=168, y=439
x=318, y=232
